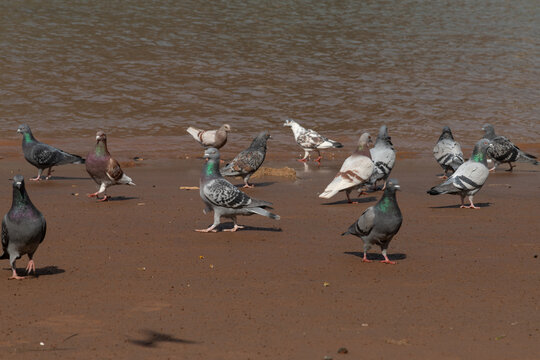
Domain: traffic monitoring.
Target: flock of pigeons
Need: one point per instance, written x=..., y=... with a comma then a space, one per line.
x=24, y=227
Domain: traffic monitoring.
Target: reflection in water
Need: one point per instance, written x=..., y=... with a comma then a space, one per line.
x=150, y=69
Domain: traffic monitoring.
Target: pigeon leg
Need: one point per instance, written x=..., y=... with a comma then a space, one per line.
x=31, y=267
x=318, y=160
x=211, y=228
x=247, y=185
x=104, y=198
x=14, y=275
x=49, y=174
x=305, y=158
x=38, y=177
x=236, y=226
x=470, y=206
x=347, y=192
x=386, y=260
x=511, y=167
x=365, y=259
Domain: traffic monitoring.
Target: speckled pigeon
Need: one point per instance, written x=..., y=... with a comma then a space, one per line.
x=379, y=223
x=44, y=156
x=310, y=140
x=210, y=138
x=224, y=198
x=23, y=229
x=103, y=168
x=248, y=161
x=469, y=178
x=355, y=171
x=504, y=151
x=448, y=152
x=383, y=156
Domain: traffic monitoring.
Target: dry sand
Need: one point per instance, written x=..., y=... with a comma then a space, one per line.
x=130, y=279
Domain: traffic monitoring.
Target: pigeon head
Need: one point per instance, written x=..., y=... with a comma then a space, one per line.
x=211, y=154
x=101, y=136
x=226, y=127
x=289, y=122
x=24, y=129
x=480, y=149
x=18, y=181
x=446, y=133
x=393, y=185
x=365, y=139
x=489, y=131
x=383, y=134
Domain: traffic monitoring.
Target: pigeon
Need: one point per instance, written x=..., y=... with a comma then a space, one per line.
x=210, y=138
x=248, y=161
x=23, y=229
x=44, y=156
x=448, y=152
x=103, y=168
x=224, y=198
x=504, y=151
x=379, y=223
x=383, y=156
x=310, y=140
x=469, y=177
x=354, y=172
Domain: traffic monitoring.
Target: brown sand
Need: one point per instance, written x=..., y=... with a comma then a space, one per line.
x=130, y=279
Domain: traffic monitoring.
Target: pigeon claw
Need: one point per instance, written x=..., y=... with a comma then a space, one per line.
x=386, y=261
x=30, y=267
x=366, y=260
x=248, y=186
x=469, y=207
x=302, y=160
x=236, y=227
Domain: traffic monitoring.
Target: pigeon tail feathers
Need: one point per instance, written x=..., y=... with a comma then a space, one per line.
x=263, y=212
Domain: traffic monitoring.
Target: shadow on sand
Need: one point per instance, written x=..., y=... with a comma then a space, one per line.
x=377, y=256
x=152, y=339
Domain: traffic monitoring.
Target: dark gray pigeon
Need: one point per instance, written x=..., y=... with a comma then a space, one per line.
x=224, y=198
x=23, y=229
x=383, y=155
x=448, y=152
x=44, y=156
x=103, y=168
x=469, y=178
x=248, y=161
x=504, y=151
x=379, y=223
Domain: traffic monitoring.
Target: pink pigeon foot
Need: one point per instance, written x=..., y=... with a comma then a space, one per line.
x=386, y=261
x=14, y=276
x=469, y=207
x=38, y=178
x=30, y=267
x=248, y=186
x=236, y=227
x=104, y=198
x=365, y=259
x=210, y=229
x=302, y=160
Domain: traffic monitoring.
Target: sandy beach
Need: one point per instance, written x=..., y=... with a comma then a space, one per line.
x=130, y=278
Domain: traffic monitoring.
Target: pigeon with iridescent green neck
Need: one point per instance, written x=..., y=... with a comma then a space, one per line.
x=469, y=178
x=224, y=198
x=379, y=223
x=44, y=156
x=23, y=229
x=104, y=169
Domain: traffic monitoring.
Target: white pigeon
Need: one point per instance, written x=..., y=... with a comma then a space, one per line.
x=310, y=140
x=383, y=155
x=355, y=171
x=448, y=152
x=210, y=138
x=469, y=178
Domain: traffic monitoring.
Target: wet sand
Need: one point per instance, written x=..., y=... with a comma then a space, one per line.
x=131, y=279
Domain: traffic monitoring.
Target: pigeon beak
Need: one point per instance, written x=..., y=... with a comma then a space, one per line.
x=397, y=187
x=18, y=184
x=19, y=131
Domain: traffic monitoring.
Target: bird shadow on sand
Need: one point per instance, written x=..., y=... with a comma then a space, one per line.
x=67, y=178
x=121, y=198
x=44, y=271
x=377, y=256
x=152, y=339
x=481, y=205
x=359, y=200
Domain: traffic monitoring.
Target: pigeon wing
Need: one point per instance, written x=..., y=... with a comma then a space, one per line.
x=114, y=171
x=365, y=222
x=222, y=193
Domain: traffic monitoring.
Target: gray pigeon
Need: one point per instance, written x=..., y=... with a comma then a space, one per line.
x=103, y=168
x=469, y=178
x=504, y=151
x=248, y=161
x=210, y=138
x=310, y=140
x=379, y=223
x=23, y=229
x=224, y=198
x=44, y=156
x=448, y=152
x=355, y=171
x=383, y=156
